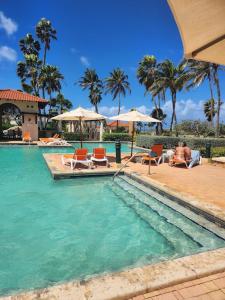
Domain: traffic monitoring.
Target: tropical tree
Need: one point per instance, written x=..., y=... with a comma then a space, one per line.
x=28, y=45
x=91, y=81
x=197, y=73
x=147, y=74
x=50, y=80
x=29, y=71
x=219, y=102
x=209, y=110
x=95, y=97
x=45, y=32
x=61, y=103
x=173, y=78
x=117, y=84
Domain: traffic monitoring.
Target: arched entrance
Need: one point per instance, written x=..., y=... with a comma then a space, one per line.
x=10, y=121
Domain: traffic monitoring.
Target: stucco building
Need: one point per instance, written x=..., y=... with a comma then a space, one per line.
x=28, y=106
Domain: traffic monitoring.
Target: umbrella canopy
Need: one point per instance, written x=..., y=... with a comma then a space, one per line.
x=134, y=116
x=202, y=28
x=79, y=114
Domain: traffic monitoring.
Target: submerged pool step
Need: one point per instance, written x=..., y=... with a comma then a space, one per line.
x=178, y=239
x=192, y=230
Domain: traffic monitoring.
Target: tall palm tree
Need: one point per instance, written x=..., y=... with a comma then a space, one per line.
x=91, y=81
x=50, y=79
x=198, y=72
x=209, y=110
x=171, y=77
x=29, y=72
x=147, y=74
x=95, y=97
x=45, y=32
x=117, y=84
x=219, y=102
x=28, y=45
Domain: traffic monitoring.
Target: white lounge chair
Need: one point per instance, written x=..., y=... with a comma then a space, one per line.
x=80, y=156
x=99, y=155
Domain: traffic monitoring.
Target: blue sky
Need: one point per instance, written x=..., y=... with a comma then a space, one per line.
x=103, y=35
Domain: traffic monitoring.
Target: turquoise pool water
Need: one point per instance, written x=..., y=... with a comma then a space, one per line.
x=110, y=147
x=54, y=231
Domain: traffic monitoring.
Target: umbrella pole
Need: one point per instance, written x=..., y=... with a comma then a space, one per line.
x=149, y=167
x=81, y=135
x=132, y=141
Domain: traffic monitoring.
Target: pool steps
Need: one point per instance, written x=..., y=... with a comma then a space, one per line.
x=202, y=235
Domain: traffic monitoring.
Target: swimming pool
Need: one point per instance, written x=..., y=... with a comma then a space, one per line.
x=110, y=147
x=55, y=231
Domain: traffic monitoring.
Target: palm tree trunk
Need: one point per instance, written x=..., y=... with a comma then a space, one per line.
x=212, y=100
x=45, y=52
x=157, y=116
x=117, y=123
x=96, y=108
x=216, y=79
x=174, y=117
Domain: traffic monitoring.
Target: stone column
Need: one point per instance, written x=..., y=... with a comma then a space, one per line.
x=101, y=131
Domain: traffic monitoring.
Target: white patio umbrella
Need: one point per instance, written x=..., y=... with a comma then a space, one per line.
x=202, y=28
x=79, y=114
x=134, y=116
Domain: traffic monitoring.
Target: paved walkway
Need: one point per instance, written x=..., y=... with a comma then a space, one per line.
x=206, y=288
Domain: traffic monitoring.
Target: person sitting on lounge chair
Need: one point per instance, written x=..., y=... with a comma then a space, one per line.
x=80, y=156
x=154, y=155
x=184, y=155
x=99, y=155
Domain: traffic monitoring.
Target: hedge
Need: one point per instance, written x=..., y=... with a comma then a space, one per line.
x=215, y=151
x=116, y=136
x=70, y=136
x=146, y=141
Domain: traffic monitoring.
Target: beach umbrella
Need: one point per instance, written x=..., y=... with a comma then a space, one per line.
x=79, y=114
x=134, y=116
x=202, y=28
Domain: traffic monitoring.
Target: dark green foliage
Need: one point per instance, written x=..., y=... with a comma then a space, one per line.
x=147, y=141
x=70, y=136
x=116, y=136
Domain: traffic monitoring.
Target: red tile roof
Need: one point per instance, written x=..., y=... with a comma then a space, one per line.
x=19, y=96
x=114, y=124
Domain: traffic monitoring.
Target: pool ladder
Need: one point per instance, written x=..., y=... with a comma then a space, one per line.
x=124, y=165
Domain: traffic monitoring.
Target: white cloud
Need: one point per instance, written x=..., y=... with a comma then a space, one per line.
x=7, y=53
x=84, y=60
x=7, y=24
x=74, y=50
x=185, y=110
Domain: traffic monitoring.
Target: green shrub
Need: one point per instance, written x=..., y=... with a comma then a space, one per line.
x=215, y=151
x=71, y=136
x=116, y=136
x=147, y=141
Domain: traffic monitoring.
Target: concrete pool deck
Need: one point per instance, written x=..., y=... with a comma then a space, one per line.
x=203, y=187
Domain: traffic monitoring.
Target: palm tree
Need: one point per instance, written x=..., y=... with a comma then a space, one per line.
x=209, y=109
x=28, y=45
x=95, y=97
x=173, y=78
x=50, y=79
x=219, y=102
x=45, y=32
x=117, y=84
x=91, y=81
x=147, y=74
x=198, y=72
x=29, y=72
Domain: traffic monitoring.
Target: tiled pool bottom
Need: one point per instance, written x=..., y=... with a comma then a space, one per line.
x=57, y=231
